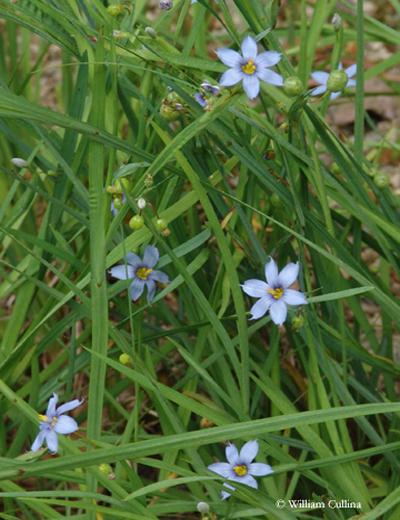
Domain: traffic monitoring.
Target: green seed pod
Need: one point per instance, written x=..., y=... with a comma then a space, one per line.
x=381, y=180
x=115, y=9
x=161, y=225
x=275, y=200
x=136, y=222
x=121, y=185
x=149, y=181
x=106, y=469
x=337, y=80
x=293, y=86
x=117, y=202
x=125, y=359
x=298, y=322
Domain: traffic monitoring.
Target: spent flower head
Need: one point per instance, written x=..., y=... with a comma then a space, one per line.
x=274, y=295
x=335, y=82
x=249, y=67
x=240, y=466
x=54, y=422
x=141, y=272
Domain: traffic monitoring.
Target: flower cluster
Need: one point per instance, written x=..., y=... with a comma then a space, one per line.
x=250, y=68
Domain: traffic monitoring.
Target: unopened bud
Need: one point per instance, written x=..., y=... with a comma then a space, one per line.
x=106, y=469
x=141, y=203
x=166, y=4
x=337, y=21
x=118, y=203
x=150, y=32
x=298, y=322
x=203, y=508
x=149, y=181
x=20, y=163
x=161, y=225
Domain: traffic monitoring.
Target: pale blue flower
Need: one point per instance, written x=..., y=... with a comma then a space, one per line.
x=275, y=295
x=141, y=272
x=240, y=466
x=249, y=67
x=54, y=423
x=322, y=78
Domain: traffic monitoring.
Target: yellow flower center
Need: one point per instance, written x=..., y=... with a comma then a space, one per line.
x=240, y=470
x=249, y=68
x=44, y=418
x=143, y=273
x=276, y=293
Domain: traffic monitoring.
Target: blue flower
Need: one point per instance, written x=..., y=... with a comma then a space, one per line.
x=323, y=77
x=141, y=272
x=249, y=67
x=240, y=467
x=275, y=295
x=54, y=422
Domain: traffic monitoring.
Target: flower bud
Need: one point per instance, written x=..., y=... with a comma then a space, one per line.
x=206, y=423
x=120, y=35
x=381, y=180
x=203, y=508
x=337, y=80
x=136, y=222
x=19, y=162
x=125, y=359
x=275, y=200
x=149, y=181
x=122, y=185
x=293, y=86
x=166, y=4
x=337, y=21
x=115, y=9
x=161, y=225
x=141, y=203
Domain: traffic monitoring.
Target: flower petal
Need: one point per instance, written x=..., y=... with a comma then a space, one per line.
x=136, y=289
x=288, y=275
x=66, y=407
x=225, y=495
x=268, y=59
x=318, y=90
x=133, y=259
x=278, y=312
x=271, y=272
x=291, y=297
x=320, y=77
x=255, y=288
x=249, y=48
x=351, y=71
x=271, y=77
x=51, y=407
x=229, y=57
x=351, y=83
x=247, y=480
x=151, y=290
x=122, y=272
x=159, y=276
x=231, y=77
x=221, y=468
x=258, y=469
x=65, y=425
x=151, y=256
x=37, y=443
x=251, y=85
x=51, y=441
x=232, y=454
x=260, y=308
x=248, y=452
x=335, y=95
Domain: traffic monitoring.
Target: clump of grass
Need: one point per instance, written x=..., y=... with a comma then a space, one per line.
x=115, y=136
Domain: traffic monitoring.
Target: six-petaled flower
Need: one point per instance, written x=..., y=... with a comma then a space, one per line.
x=335, y=85
x=54, y=422
x=240, y=466
x=274, y=295
x=249, y=67
x=141, y=272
